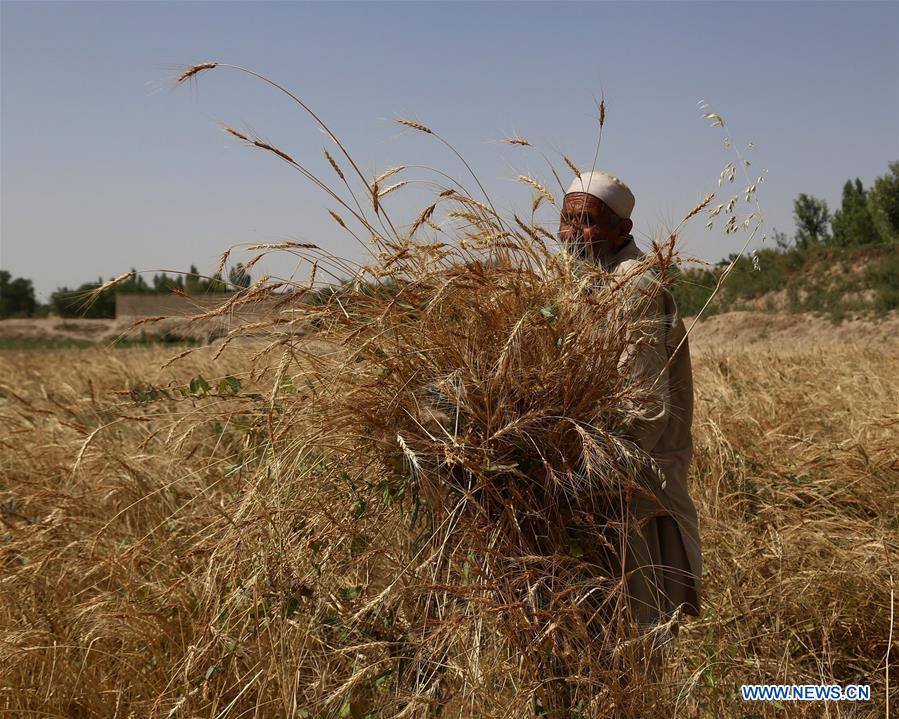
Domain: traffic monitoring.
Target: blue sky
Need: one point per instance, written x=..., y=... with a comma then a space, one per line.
x=103, y=166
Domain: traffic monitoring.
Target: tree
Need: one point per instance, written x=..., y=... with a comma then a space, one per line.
x=812, y=217
x=74, y=303
x=192, y=281
x=135, y=283
x=239, y=277
x=16, y=296
x=852, y=223
x=216, y=283
x=883, y=204
x=196, y=285
x=165, y=284
x=781, y=239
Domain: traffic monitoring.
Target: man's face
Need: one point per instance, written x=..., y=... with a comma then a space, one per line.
x=590, y=228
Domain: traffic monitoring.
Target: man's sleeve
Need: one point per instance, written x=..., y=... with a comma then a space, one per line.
x=645, y=360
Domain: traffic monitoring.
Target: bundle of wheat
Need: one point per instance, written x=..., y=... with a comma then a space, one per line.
x=471, y=425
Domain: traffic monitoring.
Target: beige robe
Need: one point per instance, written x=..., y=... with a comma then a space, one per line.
x=663, y=561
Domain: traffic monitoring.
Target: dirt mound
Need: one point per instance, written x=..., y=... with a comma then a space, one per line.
x=54, y=328
x=784, y=333
x=105, y=331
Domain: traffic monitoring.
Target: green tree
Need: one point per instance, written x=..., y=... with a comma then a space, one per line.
x=74, y=303
x=135, y=283
x=196, y=285
x=781, y=239
x=812, y=217
x=239, y=277
x=852, y=223
x=192, y=282
x=165, y=284
x=216, y=283
x=883, y=204
x=16, y=296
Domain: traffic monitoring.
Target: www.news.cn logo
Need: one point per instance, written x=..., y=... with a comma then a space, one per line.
x=805, y=692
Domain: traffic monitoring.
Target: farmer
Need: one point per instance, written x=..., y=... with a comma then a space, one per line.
x=663, y=562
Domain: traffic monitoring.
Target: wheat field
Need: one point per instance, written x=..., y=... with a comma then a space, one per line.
x=140, y=577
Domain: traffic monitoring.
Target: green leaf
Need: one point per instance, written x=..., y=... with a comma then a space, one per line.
x=198, y=384
x=549, y=311
x=287, y=386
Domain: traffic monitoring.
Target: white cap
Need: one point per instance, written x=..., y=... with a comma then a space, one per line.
x=607, y=188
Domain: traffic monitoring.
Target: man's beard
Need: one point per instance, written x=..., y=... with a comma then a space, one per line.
x=602, y=253
x=576, y=247
x=582, y=250
x=589, y=252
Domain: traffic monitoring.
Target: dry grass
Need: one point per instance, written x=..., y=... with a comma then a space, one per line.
x=163, y=577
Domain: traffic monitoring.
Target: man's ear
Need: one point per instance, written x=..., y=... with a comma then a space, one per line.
x=627, y=224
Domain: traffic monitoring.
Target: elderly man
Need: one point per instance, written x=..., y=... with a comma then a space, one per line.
x=663, y=561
